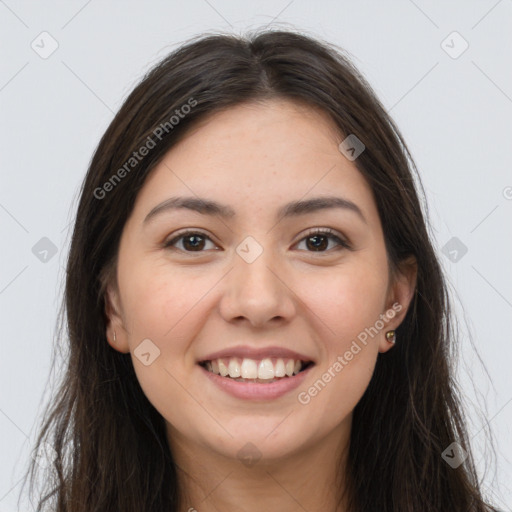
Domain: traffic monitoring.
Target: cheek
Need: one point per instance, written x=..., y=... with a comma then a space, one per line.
x=157, y=299
x=162, y=305
x=159, y=306
x=348, y=300
x=342, y=384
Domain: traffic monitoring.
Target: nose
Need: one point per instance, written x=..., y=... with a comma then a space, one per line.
x=257, y=292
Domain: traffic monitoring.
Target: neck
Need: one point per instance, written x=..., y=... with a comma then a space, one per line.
x=311, y=478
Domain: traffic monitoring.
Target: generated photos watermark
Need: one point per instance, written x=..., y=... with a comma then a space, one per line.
x=304, y=397
x=137, y=156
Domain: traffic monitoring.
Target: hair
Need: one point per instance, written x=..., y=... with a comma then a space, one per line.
x=109, y=442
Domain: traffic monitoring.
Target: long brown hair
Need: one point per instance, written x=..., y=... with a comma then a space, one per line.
x=111, y=450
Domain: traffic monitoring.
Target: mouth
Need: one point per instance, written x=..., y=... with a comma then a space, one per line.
x=259, y=371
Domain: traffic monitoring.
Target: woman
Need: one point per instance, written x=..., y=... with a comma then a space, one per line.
x=257, y=317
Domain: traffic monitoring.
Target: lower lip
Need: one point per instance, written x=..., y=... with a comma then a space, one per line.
x=255, y=390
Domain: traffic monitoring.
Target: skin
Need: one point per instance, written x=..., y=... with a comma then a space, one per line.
x=255, y=157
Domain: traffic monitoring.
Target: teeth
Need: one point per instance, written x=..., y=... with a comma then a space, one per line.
x=234, y=368
x=223, y=369
x=279, y=369
x=249, y=369
x=266, y=369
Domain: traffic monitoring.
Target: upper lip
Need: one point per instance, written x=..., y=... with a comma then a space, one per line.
x=256, y=353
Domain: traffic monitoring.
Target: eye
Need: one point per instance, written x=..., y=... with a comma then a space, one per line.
x=195, y=240
x=317, y=238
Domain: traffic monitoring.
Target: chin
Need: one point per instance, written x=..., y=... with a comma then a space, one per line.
x=266, y=439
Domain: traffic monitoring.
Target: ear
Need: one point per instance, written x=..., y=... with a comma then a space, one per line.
x=115, y=321
x=400, y=295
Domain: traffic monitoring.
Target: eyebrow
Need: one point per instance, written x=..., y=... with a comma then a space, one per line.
x=292, y=209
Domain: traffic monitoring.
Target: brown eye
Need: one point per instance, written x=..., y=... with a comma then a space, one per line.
x=192, y=241
x=318, y=240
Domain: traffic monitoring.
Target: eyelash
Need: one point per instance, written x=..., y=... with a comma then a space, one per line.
x=329, y=233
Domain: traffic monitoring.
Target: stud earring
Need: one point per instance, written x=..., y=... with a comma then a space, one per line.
x=391, y=337
x=114, y=336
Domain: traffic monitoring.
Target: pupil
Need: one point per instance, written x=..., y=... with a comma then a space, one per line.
x=315, y=245
x=193, y=244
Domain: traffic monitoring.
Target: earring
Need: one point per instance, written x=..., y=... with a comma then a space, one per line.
x=114, y=336
x=391, y=337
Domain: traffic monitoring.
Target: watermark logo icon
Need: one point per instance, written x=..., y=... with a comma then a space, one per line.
x=454, y=45
x=351, y=147
x=44, y=250
x=454, y=455
x=147, y=352
x=44, y=45
x=249, y=249
x=249, y=454
x=454, y=250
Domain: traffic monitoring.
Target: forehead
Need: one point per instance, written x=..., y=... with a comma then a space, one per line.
x=258, y=156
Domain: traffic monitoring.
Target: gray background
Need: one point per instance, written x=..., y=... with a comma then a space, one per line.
x=454, y=109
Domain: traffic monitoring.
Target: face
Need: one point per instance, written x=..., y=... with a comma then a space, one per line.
x=255, y=284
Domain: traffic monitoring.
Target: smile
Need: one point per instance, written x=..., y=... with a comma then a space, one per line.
x=266, y=370
x=256, y=380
